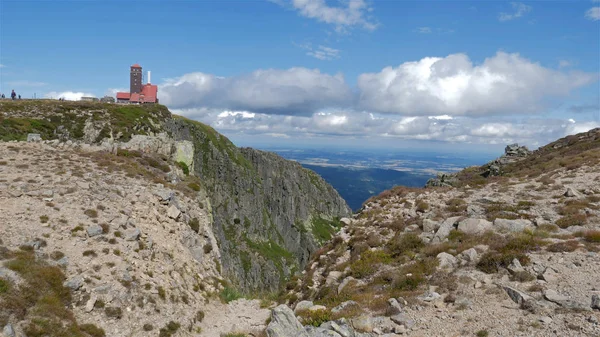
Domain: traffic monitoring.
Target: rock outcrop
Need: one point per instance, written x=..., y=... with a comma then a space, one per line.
x=268, y=214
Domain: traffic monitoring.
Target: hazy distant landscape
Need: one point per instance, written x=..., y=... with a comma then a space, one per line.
x=358, y=175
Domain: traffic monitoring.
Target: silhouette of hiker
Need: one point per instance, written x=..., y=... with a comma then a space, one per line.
x=13, y=94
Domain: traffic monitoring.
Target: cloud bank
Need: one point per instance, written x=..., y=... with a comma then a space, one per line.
x=68, y=95
x=502, y=84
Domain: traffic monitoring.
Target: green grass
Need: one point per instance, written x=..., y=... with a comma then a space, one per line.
x=41, y=300
x=229, y=294
x=169, y=330
x=4, y=286
x=323, y=229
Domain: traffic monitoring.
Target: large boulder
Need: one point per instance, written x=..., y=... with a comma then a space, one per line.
x=444, y=230
x=284, y=323
x=474, y=226
x=516, y=225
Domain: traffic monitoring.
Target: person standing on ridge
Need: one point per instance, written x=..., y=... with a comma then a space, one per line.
x=13, y=94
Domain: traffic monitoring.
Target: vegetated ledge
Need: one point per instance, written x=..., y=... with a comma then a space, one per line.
x=286, y=208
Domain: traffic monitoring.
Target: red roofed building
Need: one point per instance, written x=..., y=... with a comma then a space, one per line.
x=138, y=93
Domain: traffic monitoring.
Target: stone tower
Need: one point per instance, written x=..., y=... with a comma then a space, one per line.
x=135, y=79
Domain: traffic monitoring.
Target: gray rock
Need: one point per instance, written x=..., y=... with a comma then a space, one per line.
x=445, y=228
x=570, y=193
x=8, y=331
x=34, y=137
x=284, y=323
x=516, y=225
x=103, y=289
x=592, y=319
x=595, y=302
x=545, y=319
x=333, y=277
x=317, y=308
x=344, y=283
x=550, y=276
x=363, y=323
x=429, y=296
x=94, y=230
x=474, y=226
x=343, y=306
x=469, y=256
x=553, y=296
x=63, y=262
x=318, y=332
x=341, y=327
x=164, y=195
x=394, y=307
x=515, y=266
x=446, y=261
x=132, y=234
x=430, y=225
x=173, y=212
x=89, y=305
x=74, y=283
x=403, y=319
x=303, y=305
x=464, y=302
x=517, y=296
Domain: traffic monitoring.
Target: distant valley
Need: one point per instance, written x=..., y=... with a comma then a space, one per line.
x=358, y=175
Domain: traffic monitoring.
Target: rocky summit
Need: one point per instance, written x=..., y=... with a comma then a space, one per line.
x=122, y=220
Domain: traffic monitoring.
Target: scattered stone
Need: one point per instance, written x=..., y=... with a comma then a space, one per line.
x=362, y=323
x=303, y=305
x=343, y=306
x=284, y=323
x=430, y=225
x=550, y=276
x=553, y=296
x=403, y=319
x=83, y=185
x=570, y=193
x=94, y=230
x=446, y=261
x=592, y=319
x=317, y=308
x=515, y=266
x=344, y=283
x=132, y=234
x=517, y=296
x=333, y=277
x=74, y=283
x=164, y=196
x=34, y=137
x=173, y=212
x=394, y=307
x=474, y=226
x=545, y=319
x=445, y=228
x=429, y=296
x=509, y=225
x=595, y=302
x=8, y=331
x=89, y=305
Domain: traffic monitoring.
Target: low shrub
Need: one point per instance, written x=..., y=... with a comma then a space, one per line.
x=404, y=243
x=564, y=246
x=315, y=317
x=229, y=294
x=571, y=220
x=368, y=262
x=169, y=330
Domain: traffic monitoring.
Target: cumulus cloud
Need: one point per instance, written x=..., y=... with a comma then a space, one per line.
x=113, y=91
x=351, y=13
x=289, y=92
x=593, y=14
x=504, y=83
x=519, y=9
x=2, y=65
x=364, y=125
x=68, y=95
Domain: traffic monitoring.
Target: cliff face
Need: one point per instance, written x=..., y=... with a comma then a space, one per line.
x=268, y=214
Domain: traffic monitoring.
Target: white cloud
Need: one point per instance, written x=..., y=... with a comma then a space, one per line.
x=293, y=91
x=369, y=126
x=320, y=52
x=564, y=64
x=351, y=13
x=324, y=53
x=593, y=14
x=2, y=66
x=26, y=84
x=113, y=91
x=68, y=95
x=423, y=30
x=519, y=8
x=502, y=84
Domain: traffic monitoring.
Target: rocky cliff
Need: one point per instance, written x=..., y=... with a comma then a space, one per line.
x=268, y=214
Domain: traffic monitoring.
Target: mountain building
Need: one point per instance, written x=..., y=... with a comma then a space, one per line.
x=138, y=93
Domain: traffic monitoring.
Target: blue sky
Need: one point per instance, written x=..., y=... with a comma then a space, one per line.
x=356, y=72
